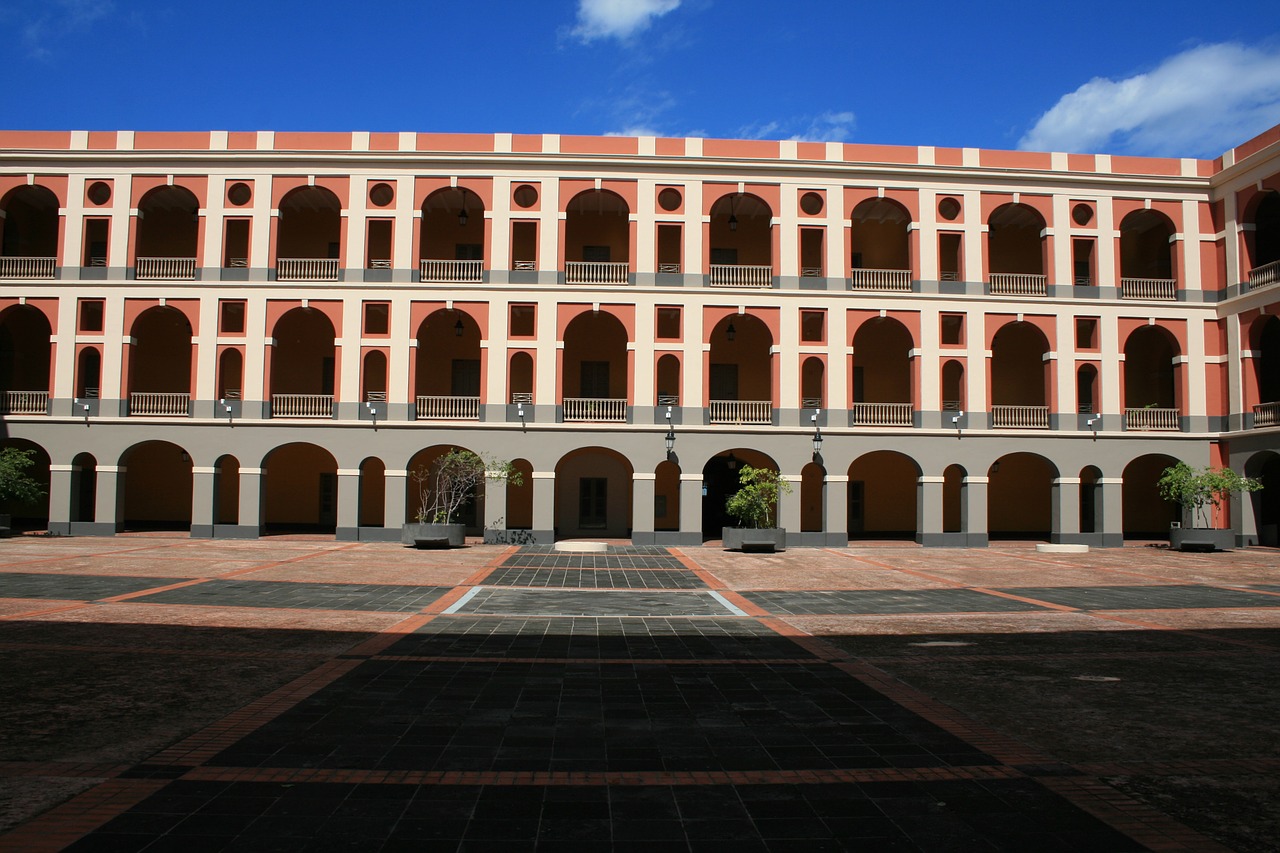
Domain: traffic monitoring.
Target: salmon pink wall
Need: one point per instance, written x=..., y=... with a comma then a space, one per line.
x=331, y=308
x=425, y=187
x=567, y=312
x=190, y=308
x=1126, y=326
x=713, y=314
x=995, y=322
x=477, y=311
x=910, y=319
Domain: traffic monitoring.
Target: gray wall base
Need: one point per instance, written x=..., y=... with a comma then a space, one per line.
x=667, y=538
x=236, y=531
x=92, y=528
x=377, y=534
x=945, y=540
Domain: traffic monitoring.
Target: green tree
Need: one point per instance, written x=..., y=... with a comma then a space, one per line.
x=16, y=483
x=756, y=503
x=446, y=485
x=1196, y=489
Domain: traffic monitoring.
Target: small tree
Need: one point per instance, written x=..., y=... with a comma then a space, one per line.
x=1196, y=489
x=446, y=485
x=15, y=483
x=756, y=503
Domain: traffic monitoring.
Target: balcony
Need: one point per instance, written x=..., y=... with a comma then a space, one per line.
x=1149, y=288
x=594, y=410
x=1263, y=276
x=897, y=280
x=183, y=269
x=451, y=272
x=1018, y=284
x=1152, y=420
x=302, y=405
x=881, y=414
x=168, y=405
x=740, y=412
x=1264, y=415
x=307, y=269
x=596, y=272
x=1020, y=417
x=27, y=267
x=448, y=409
x=25, y=402
x=740, y=275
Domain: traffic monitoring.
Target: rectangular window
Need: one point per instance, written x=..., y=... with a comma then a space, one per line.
x=1082, y=263
x=669, y=323
x=812, y=326
x=377, y=318
x=1086, y=333
x=669, y=239
x=91, y=315
x=522, y=321
x=952, y=329
x=231, y=317
x=949, y=257
x=811, y=265
x=235, y=245
x=524, y=245
x=96, y=232
x=378, y=255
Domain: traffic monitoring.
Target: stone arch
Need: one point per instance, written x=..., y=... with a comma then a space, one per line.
x=593, y=494
x=158, y=484
x=883, y=494
x=1020, y=497
x=1145, y=514
x=301, y=489
x=720, y=481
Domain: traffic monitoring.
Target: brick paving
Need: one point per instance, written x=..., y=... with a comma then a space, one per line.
x=523, y=699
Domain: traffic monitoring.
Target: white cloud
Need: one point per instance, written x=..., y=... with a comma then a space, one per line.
x=825, y=127
x=59, y=17
x=1196, y=103
x=618, y=18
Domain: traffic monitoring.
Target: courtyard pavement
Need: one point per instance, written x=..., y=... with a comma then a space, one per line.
x=300, y=694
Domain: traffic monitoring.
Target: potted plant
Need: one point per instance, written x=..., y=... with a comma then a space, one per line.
x=444, y=487
x=1195, y=490
x=15, y=483
x=755, y=507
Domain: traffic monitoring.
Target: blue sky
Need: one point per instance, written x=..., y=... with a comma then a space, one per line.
x=1168, y=79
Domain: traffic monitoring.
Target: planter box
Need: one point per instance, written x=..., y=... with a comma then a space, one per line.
x=1201, y=539
x=763, y=539
x=433, y=535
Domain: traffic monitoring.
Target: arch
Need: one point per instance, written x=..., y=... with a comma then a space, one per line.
x=953, y=390
x=301, y=490
x=597, y=227
x=520, y=377
x=882, y=362
x=1145, y=514
x=720, y=481
x=1264, y=339
x=29, y=227
x=373, y=492
x=158, y=486
x=669, y=380
x=374, y=376
x=880, y=237
x=741, y=231
x=160, y=357
x=84, y=488
x=453, y=226
x=593, y=494
x=1145, y=247
x=34, y=514
x=448, y=355
x=813, y=479
x=226, y=490
x=418, y=487
x=883, y=488
x=1020, y=497
x=1014, y=240
x=168, y=223
x=1019, y=372
x=1091, y=518
x=26, y=351
x=231, y=374
x=1266, y=234
x=953, y=498
x=302, y=360
x=666, y=492
x=813, y=385
x=1088, y=400
x=89, y=373
x=741, y=366
x=520, y=498
x=310, y=224
x=1265, y=466
x=595, y=357
x=1150, y=376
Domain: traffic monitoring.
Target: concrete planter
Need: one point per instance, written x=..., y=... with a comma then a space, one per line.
x=1201, y=539
x=433, y=535
x=754, y=538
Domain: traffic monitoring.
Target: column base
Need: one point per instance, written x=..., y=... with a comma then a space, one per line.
x=667, y=538
x=945, y=540
x=92, y=528
x=236, y=531
x=1093, y=540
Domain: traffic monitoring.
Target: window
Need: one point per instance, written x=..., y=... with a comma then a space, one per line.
x=235, y=251
x=1086, y=333
x=593, y=501
x=1082, y=263
x=952, y=329
x=812, y=326
x=669, y=248
x=669, y=323
x=231, y=317
x=378, y=255
x=524, y=245
x=811, y=252
x=377, y=316
x=522, y=317
x=949, y=257
x=95, y=242
x=91, y=315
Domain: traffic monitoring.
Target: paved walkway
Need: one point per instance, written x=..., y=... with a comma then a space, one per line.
x=645, y=698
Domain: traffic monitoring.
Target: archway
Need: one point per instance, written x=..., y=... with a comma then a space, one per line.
x=813, y=478
x=880, y=239
x=1151, y=394
x=84, y=488
x=593, y=494
x=25, y=359
x=1019, y=377
x=303, y=368
x=520, y=381
x=226, y=489
x=372, y=492
x=1266, y=235
x=720, y=481
x=594, y=382
x=883, y=487
x=597, y=238
x=1015, y=240
x=882, y=392
x=89, y=373
x=157, y=487
x=669, y=384
x=168, y=227
x=520, y=498
x=1146, y=514
x=453, y=225
x=374, y=376
x=33, y=514
x=953, y=499
x=1020, y=497
x=447, y=374
x=160, y=363
x=1091, y=515
x=1145, y=247
x=309, y=227
x=230, y=374
x=419, y=490
x=30, y=227
x=953, y=396
x=1264, y=339
x=301, y=494
x=740, y=378
x=1265, y=467
x=741, y=235
x=666, y=496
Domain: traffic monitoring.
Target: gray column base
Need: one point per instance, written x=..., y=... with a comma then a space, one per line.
x=667, y=538
x=92, y=528
x=346, y=534
x=1093, y=540
x=378, y=534
x=811, y=539
x=59, y=528
x=945, y=540
x=519, y=537
x=202, y=531
x=236, y=531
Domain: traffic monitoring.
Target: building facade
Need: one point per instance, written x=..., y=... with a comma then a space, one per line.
x=233, y=333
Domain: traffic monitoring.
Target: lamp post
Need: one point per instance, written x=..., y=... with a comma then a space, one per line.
x=671, y=434
x=817, y=434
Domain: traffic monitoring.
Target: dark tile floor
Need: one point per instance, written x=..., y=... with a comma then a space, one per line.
x=301, y=596
x=596, y=578
x=887, y=601
x=75, y=587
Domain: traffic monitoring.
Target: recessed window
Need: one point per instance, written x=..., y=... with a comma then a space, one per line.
x=100, y=192
x=669, y=199
x=91, y=315
x=669, y=323
x=231, y=317
x=1082, y=214
x=949, y=209
x=811, y=203
x=376, y=318
x=1086, y=333
x=812, y=326
x=952, y=329
x=525, y=196
x=239, y=194
x=522, y=321
x=381, y=195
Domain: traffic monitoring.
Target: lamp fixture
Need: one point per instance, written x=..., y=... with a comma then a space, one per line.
x=733, y=220
x=458, y=328
x=373, y=412
x=462, y=211
x=732, y=464
x=817, y=433
x=1092, y=423
x=731, y=332
x=671, y=433
x=955, y=421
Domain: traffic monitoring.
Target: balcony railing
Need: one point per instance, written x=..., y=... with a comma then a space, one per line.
x=1264, y=414
x=740, y=275
x=149, y=404
x=524, y=266
x=1019, y=284
x=811, y=272
x=882, y=414
x=451, y=271
x=27, y=267
x=525, y=397
x=595, y=409
x=669, y=269
x=864, y=279
x=1152, y=419
x=1020, y=417
x=741, y=412
x=1265, y=275
x=596, y=272
x=25, y=402
x=171, y=268
x=448, y=409
x=307, y=269
x=1148, y=288
x=301, y=405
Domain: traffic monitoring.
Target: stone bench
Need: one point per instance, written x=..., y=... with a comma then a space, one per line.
x=759, y=545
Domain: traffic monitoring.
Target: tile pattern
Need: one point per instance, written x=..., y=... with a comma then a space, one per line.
x=301, y=596
x=596, y=578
